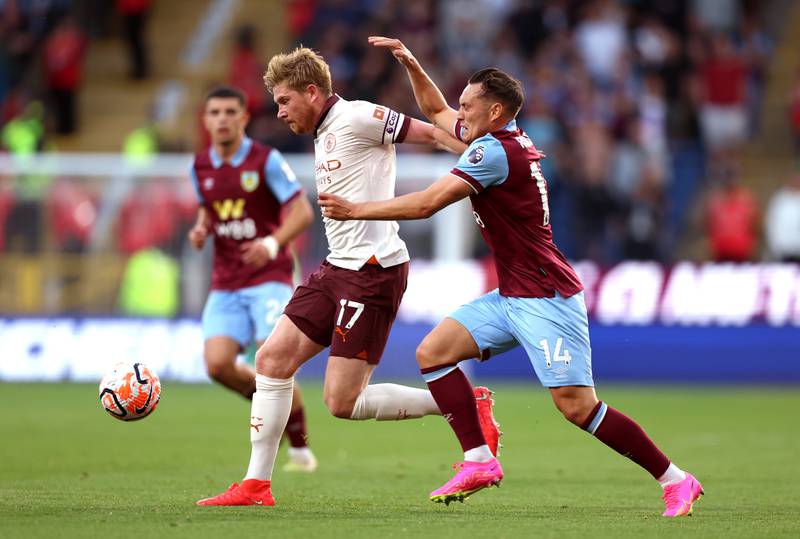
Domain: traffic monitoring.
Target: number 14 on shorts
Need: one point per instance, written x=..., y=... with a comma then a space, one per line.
x=558, y=353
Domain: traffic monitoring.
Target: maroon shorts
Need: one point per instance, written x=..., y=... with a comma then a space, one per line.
x=350, y=311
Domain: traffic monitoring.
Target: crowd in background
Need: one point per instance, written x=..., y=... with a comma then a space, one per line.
x=640, y=107
x=635, y=104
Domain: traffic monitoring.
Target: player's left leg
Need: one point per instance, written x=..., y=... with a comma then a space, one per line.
x=581, y=407
x=555, y=333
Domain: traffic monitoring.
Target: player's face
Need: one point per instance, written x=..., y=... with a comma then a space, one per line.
x=225, y=118
x=475, y=113
x=295, y=109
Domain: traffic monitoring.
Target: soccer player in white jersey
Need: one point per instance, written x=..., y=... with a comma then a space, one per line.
x=350, y=302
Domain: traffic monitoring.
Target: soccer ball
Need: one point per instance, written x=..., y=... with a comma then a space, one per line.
x=130, y=392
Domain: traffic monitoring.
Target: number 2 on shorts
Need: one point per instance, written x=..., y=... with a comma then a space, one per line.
x=359, y=307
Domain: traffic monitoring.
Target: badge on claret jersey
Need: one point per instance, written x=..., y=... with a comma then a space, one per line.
x=249, y=180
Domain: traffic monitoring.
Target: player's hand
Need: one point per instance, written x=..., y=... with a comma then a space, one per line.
x=197, y=236
x=396, y=47
x=335, y=207
x=254, y=253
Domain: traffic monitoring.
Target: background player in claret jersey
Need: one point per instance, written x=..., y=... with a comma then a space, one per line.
x=252, y=204
x=539, y=304
x=350, y=302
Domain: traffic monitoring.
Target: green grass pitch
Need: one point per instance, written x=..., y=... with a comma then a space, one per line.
x=67, y=469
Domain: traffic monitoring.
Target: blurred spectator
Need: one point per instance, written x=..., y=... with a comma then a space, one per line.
x=794, y=113
x=7, y=199
x=73, y=211
x=149, y=217
x=23, y=135
x=247, y=70
x=63, y=56
x=299, y=16
x=782, y=221
x=601, y=39
x=644, y=234
x=150, y=285
x=732, y=219
x=134, y=17
x=141, y=144
x=723, y=113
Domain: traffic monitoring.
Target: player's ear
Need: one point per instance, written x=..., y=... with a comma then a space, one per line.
x=495, y=111
x=312, y=91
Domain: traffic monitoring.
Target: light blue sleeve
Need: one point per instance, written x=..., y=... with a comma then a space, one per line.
x=196, y=185
x=280, y=178
x=484, y=161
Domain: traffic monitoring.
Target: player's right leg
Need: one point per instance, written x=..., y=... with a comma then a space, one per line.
x=227, y=330
x=466, y=334
x=286, y=349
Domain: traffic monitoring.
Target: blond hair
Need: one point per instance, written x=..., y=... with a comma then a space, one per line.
x=297, y=70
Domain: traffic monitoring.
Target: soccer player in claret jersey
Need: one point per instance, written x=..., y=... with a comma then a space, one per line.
x=539, y=303
x=252, y=204
x=350, y=302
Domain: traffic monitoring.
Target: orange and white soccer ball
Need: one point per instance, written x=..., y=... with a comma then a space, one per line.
x=130, y=391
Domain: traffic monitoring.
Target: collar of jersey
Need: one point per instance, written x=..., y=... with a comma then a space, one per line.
x=325, y=109
x=236, y=159
x=510, y=126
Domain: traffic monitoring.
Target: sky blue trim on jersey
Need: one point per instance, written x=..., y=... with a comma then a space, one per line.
x=435, y=375
x=236, y=159
x=196, y=185
x=510, y=126
x=598, y=418
x=280, y=178
x=485, y=161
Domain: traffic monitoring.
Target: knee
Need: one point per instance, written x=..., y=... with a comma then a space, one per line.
x=217, y=367
x=268, y=362
x=339, y=407
x=428, y=354
x=575, y=411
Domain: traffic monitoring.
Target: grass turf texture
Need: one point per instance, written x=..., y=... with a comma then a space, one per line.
x=67, y=469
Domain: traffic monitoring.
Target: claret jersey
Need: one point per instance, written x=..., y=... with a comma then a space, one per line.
x=243, y=198
x=355, y=159
x=511, y=209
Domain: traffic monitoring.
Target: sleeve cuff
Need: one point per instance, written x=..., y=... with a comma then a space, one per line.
x=401, y=136
x=457, y=130
x=293, y=196
x=475, y=184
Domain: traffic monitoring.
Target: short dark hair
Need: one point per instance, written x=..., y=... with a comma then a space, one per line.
x=499, y=85
x=226, y=92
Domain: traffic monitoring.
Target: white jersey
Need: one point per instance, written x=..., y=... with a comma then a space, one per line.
x=355, y=159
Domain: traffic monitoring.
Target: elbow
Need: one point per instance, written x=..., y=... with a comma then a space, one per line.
x=426, y=210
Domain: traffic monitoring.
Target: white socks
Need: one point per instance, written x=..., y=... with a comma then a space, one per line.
x=671, y=476
x=272, y=403
x=482, y=453
x=386, y=402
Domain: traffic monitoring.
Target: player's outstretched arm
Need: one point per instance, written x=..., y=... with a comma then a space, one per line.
x=420, y=132
x=418, y=205
x=429, y=98
x=297, y=217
